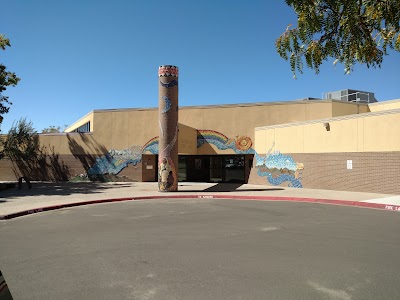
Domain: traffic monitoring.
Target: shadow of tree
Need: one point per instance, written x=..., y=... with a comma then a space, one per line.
x=42, y=163
x=88, y=156
x=61, y=189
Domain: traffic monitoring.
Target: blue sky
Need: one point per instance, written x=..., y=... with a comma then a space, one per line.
x=77, y=56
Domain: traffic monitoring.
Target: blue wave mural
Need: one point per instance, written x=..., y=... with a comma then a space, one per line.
x=279, y=168
x=116, y=160
x=276, y=167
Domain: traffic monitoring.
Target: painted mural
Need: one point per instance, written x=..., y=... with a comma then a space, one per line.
x=116, y=160
x=240, y=145
x=151, y=146
x=279, y=168
x=166, y=174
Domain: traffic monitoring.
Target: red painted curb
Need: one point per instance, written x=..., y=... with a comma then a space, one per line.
x=234, y=197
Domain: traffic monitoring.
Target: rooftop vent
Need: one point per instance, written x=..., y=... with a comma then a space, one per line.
x=350, y=96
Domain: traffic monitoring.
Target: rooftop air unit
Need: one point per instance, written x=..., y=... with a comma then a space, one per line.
x=350, y=96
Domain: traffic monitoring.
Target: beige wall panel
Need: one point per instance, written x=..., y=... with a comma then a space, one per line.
x=255, y=116
x=286, y=113
x=187, y=140
x=135, y=133
x=221, y=120
x=364, y=109
x=382, y=133
x=149, y=128
x=130, y=130
x=192, y=117
x=103, y=122
x=127, y=129
x=315, y=111
x=385, y=105
x=120, y=129
x=247, y=118
x=342, y=137
x=344, y=109
x=260, y=140
x=289, y=139
x=376, y=108
x=265, y=140
x=360, y=134
x=392, y=105
x=77, y=143
x=363, y=134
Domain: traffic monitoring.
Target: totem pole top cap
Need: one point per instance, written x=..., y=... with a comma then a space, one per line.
x=168, y=70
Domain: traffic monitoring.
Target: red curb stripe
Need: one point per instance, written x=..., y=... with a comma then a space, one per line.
x=234, y=197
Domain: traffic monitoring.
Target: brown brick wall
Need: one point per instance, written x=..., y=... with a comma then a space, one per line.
x=375, y=172
x=61, y=167
x=7, y=171
x=132, y=173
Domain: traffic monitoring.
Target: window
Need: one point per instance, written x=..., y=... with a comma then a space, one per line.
x=84, y=128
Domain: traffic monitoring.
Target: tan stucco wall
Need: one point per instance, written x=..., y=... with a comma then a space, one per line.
x=345, y=109
x=121, y=129
x=363, y=133
x=72, y=143
x=385, y=105
x=187, y=140
x=240, y=120
x=124, y=129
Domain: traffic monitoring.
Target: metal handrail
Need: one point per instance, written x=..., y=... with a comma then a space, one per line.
x=358, y=99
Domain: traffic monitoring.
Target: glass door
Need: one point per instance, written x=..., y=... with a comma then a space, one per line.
x=216, y=169
x=182, y=175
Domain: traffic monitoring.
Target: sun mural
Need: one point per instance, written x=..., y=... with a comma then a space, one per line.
x=243, y=142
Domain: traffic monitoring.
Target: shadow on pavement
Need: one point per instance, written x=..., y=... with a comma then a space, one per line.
x=232, y=187
x=60, y=189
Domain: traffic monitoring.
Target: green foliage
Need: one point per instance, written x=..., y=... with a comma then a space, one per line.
x=54, y=129
x=22, y=141
x=356, y=31
x=6, y=79
x=30, y=159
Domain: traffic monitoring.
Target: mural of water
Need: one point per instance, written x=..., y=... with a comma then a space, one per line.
x=278, y=168
x=116, y=160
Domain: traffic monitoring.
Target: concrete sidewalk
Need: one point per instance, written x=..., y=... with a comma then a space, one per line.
x=53, y=194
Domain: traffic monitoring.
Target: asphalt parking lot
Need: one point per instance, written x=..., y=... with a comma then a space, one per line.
x=203, y=249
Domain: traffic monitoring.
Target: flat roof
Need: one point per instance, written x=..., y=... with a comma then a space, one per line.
x=299, y=101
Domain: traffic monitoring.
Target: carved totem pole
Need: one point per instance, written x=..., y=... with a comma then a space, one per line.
x=168, y=123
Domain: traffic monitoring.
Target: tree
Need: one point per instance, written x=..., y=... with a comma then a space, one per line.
x=349, y=31
x=54, y=129
x=6, y=79
x=31, y=159
x=22, y=141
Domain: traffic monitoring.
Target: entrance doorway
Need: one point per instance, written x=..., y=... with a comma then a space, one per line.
x=213, y=168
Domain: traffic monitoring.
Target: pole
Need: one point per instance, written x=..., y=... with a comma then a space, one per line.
x=168, y=123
